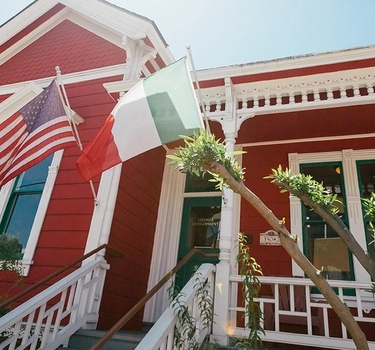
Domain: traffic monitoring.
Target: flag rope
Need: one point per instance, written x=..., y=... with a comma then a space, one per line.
x=68, y=111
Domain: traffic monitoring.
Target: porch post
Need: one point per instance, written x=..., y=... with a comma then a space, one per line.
x=223, y=269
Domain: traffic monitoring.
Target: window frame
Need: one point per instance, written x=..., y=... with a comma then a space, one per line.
x=348, y=158
x=5, y=194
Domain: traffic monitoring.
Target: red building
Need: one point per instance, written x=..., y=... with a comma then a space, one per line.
x=313, y=114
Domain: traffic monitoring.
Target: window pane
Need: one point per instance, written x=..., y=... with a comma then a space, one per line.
x=22, y=217
x=366, y=172
x=323, y=247
x=24, y=201
x=34, y=178
x=199, y=184
x=204, y=226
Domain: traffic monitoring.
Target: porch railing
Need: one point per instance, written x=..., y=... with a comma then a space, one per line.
x=51, y=317
x=161, y=335
x=295, y=312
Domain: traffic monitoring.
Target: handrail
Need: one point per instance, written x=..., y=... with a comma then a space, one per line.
x=120, y=323
x=56, y=273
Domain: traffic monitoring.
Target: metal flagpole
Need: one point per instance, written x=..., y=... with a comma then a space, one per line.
x=68, y=111
x=188, y=48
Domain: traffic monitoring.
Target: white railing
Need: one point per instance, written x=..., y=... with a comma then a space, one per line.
x=48, y=320
x=161, y=335
x=295, y=312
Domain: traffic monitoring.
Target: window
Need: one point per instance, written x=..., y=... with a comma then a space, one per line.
x=366, y=176
x=322, y=245
x=195, y=183
x=23, y=202
x=350, y=174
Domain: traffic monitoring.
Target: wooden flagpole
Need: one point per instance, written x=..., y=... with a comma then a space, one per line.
x=188, y=48
x=68, y=112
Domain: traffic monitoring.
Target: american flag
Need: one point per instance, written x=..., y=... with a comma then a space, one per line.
x=40, y=128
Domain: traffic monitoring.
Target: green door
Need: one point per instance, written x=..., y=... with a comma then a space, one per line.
x=200, y=228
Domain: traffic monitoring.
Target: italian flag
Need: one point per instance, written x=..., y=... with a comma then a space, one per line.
x=155, y=111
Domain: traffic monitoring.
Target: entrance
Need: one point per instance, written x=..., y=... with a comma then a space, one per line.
x=200, y=228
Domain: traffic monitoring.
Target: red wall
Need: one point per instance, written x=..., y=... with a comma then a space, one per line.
x=132, y=232
x=259, y=160
x=65, y=228
x=69, y=46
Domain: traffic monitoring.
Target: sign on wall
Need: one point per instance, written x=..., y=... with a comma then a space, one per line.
x=269, y=238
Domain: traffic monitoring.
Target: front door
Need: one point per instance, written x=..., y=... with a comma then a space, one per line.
x=200, y=228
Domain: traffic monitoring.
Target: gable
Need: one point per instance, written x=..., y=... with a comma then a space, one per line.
x=133, y=35
x=67, y=45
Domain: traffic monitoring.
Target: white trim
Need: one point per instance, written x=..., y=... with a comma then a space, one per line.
x=103, y=211
x=36, y=228
x=8, y=107
x=310, y=139
x=25, y=18
x=15, y=102
x=348, y=159
x=70, y=78
x=106, y=20
x=166, y=240
x=288, y=63
x=28, y=39
x=32, y=242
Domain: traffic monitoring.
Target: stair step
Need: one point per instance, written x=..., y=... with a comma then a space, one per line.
x=124, y=340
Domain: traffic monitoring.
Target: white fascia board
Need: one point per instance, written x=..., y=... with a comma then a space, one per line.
x=104, y=20
x=89, y=24
x=25, y=18
x=70, y=78
x=31, y=37
x=287, y=63
x=125, y=23
x=15, y=102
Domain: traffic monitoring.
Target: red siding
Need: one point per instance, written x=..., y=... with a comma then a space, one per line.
x=132, y=232
x=259, y=160
x=13, y=40
x=65, y=228
x=69, y=46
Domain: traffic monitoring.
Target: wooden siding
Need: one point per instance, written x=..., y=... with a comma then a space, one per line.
x=66, y=225
x=132, y=232
x=65, y=228
x=259, y=160
x=69, y=46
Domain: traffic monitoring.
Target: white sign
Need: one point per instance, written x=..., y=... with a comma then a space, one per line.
x=269, y=238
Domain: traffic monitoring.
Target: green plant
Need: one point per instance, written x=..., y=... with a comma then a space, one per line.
x=250, y=269
x=10, y=254
x=185, y=330
x=301, y=184
x=200, y=152
x=203, y=154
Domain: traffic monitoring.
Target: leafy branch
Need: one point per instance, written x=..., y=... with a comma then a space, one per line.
x=185, y=330
x=200, y=153
x=249, y=269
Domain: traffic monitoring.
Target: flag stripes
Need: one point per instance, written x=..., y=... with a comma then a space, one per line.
x=30, y=136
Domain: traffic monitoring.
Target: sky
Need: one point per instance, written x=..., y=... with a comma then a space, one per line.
x=231, y=32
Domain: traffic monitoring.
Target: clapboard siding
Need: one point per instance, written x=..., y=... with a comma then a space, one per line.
x=132, y=232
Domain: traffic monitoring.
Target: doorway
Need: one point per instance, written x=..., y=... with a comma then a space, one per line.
x=200, y=228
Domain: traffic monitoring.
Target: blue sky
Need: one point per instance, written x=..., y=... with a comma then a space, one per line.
x=222, y=32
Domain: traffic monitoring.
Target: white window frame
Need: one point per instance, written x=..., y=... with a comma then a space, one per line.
x=348, y=158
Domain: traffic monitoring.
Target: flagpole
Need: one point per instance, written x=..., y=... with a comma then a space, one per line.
x=68, y=111
x=188, y=48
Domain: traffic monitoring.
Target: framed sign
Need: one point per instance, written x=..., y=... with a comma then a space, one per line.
x=269, y=238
